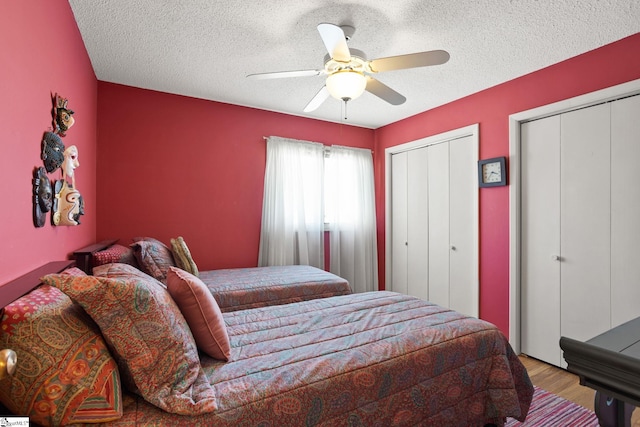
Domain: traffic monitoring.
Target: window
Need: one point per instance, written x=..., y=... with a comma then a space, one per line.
x=304, y=189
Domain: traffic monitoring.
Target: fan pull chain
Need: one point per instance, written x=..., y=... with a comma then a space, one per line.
x=344, y=109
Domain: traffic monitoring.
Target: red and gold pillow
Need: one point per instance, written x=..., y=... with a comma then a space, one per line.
x=115, y=253
x=65, y=373
x=148, y=337
x=154, y=257
x=74, y=271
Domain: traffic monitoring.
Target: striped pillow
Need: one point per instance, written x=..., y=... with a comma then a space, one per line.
x=182, y=256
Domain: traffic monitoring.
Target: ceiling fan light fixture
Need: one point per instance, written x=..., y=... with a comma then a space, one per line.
x=346, y=84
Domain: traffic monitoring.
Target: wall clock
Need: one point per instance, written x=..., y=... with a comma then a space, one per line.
x=492, y=172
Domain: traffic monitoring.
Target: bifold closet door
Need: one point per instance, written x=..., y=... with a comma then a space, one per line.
x=399, y=238
x=409, y=232
x=438, y=179
x=452, y=251
x=540, y=232
x=585, y=222
x=417, y=223
x=434, y=224
x=625, y=210
x=463, y=219
x=580, y=202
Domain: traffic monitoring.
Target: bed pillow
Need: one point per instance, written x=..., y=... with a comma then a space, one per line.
x=154, y=257
x=182, y=256
x=124, y=271
x=65, y=373
x=201, y=311
x=115, y=253
x=149, y=339
x=74, y=271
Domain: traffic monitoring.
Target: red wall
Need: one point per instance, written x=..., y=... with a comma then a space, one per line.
x=42, y=52
x=610, y=65
x=178, y=166
x=171, y=165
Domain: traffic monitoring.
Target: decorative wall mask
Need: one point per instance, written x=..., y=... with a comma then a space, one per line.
x=65, y=201
x=70, y=163
x=52, y=151
x=62, y=116
x=68, y=205
x=42, y=194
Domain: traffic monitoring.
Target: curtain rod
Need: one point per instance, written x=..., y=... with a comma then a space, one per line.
x=326, y=147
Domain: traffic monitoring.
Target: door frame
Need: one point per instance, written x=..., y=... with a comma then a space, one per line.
x=474, y=132
x=515, y=120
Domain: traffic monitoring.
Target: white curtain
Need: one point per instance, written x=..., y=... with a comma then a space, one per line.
x=351, y=213
x=292, y=229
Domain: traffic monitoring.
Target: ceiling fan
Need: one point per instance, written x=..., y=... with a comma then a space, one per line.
x=348, y=71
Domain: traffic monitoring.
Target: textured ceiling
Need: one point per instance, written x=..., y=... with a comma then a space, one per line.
x=205, y=48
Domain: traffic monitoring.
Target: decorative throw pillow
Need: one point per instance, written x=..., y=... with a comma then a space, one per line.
x=115, y=253
x=182, y=256
x=154, y=257
x=65, y=373
x=201, y=311
x=149, y=239
x=124, y=271
x=74, y=271
x=149, y=338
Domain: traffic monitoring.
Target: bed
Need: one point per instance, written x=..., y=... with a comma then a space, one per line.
x=234, y=289
x=368, y=359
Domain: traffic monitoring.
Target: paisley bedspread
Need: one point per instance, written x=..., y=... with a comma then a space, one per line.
x=242, y=288
x=371, y=359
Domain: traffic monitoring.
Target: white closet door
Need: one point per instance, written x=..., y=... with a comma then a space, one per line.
x=625, y=210
x=417, y=223
x=463, y=218
x=399, y=237
x=438, y=167
x=422, y=223
x=585, y=226
x=540, y=231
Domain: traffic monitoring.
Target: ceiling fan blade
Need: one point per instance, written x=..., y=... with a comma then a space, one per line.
x=317, y=100
x=412, y=60
x=335, y=42
x=283, y=74
x=384, y=92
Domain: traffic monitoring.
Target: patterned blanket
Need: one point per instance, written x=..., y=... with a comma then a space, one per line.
x=371, y=359
x=242, y=288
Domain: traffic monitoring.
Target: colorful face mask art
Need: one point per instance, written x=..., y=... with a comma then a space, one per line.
x=43, y=196
x=61, y=197
x=68, y=205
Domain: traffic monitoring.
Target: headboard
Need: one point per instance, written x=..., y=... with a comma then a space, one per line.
x=84, y=256
x=23, y=284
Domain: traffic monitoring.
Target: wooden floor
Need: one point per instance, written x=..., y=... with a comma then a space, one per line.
x=564, y=384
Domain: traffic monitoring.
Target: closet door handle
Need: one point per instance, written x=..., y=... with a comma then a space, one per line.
x=453, y=248
x=556, y=257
